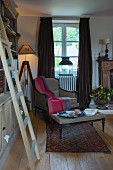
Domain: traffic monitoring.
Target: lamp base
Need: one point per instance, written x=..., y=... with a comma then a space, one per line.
x=106, y=57
x=106, y=53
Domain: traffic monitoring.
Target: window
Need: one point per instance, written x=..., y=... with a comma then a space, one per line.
x=66, y=43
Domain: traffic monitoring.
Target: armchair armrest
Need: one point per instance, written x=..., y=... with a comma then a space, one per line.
x=41, y=100
x=66, y=93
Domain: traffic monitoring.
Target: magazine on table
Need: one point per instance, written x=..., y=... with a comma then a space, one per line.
x=77, y=113
x=71, y=113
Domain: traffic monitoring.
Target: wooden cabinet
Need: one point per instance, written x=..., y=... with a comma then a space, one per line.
x=105, y=68
x=8, y=120
x=8, y=126
x=9, y=16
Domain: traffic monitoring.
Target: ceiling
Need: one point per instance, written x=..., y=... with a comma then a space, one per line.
x=65, y=7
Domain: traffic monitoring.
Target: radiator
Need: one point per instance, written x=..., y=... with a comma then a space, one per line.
x=67, y=82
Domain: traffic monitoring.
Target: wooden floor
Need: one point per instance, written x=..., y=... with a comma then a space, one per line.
x=17, y=159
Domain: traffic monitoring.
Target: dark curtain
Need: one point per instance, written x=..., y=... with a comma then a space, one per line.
x=84, y=64
x=46, y=48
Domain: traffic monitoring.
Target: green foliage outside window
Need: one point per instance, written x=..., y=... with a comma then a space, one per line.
x=57, y=33
x=72, y=34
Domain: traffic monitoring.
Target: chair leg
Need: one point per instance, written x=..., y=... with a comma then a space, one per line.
x=35, y=111
x=60, y=131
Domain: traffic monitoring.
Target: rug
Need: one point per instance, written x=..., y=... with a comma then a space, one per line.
x=77, y=138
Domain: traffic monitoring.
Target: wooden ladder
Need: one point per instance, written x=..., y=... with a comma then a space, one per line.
x=18, y=94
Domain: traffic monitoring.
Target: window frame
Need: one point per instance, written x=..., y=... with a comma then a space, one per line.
x=64, y=41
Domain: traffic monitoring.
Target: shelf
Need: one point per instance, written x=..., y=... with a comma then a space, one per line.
x=10, y=32
x=14, y=51
x=9, y=17
x=9, y=10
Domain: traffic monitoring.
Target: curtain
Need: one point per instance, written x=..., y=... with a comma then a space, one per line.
x=84, y=64
x=46, y=48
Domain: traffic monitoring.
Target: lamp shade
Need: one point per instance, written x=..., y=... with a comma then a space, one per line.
x=101, y=41
x=26, y=49
x=106, y=41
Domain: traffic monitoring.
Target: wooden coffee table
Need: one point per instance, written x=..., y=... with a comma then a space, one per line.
x=67, y=121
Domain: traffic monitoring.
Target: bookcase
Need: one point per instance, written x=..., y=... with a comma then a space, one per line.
x=8, y=120
x=9, y=16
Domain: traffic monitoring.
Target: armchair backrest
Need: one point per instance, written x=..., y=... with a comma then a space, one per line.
x=53, y=85
x=41, y=86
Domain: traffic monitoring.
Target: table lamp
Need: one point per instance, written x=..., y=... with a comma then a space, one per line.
x=106, y=41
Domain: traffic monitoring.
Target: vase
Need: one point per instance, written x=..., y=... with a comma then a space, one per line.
x=101, y=102
x=92, y=104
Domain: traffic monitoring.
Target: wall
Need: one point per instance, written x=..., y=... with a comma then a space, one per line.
x=28, y=28
x=100, y=27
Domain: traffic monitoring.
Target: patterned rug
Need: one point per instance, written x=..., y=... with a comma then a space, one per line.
x=75, y=138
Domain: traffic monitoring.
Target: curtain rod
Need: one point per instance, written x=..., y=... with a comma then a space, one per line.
x=66, y=17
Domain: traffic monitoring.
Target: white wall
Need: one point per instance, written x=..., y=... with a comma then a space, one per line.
x=28, y=28
x=100, y=27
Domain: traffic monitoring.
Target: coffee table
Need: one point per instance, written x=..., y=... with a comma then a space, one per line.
x=67, y=121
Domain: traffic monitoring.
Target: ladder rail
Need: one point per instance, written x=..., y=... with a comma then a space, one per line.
x=23, y=102
x=16, y=106
x=5, y=45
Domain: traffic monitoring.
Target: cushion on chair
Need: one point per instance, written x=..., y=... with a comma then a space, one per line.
x=58, y=105
x=53, y=85
x=55, y=105
x=72, y=101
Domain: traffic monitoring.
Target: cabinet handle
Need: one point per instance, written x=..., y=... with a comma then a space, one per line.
x=3, y=128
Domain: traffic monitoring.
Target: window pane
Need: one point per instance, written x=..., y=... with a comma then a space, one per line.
x=57, y=61
x=58, y=48
x=72, y=34
x=57, y=33
x=72, y=48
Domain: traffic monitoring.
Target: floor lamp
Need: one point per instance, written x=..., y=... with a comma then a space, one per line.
x=25, y=68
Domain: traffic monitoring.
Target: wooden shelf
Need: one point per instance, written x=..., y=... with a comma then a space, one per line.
x=9, y=16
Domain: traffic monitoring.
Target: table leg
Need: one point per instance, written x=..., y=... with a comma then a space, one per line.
x=103, y=124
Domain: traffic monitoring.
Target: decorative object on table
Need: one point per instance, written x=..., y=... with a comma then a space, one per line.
x=101, y=95
x=90, y=112
x=100, y=57
x=26, y=50
x=106, y=41
x=92, y=104
x=79, y=138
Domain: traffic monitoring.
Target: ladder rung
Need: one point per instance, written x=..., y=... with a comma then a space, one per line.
x=11, y=68
x=26, y=119
x=33, y=147
x=4, y=41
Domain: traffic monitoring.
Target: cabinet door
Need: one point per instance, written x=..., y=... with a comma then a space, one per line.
x=0, y=129
x=7, y=122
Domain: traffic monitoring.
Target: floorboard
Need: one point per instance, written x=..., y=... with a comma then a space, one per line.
x=17, y=159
